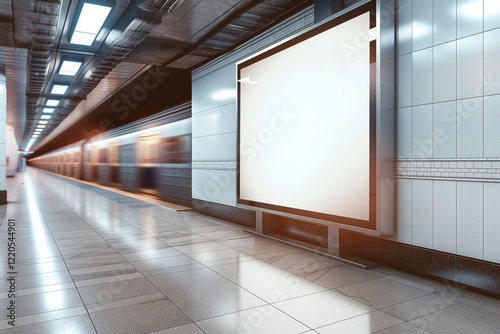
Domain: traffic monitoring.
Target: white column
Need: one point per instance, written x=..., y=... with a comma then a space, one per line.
x=3, y=119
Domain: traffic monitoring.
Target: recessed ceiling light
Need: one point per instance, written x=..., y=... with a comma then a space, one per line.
x=45, y=116
x=48, y=110
x=37, y=132
x=69, y=67
x=43, y=122
x=34, y=136
x=52, y=103
x=40, y=126
x=90, y=22
x=30, y=143
x=59, y=89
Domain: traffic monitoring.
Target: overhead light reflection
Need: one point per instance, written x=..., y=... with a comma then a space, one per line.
x=224, y=94
x=472, y=9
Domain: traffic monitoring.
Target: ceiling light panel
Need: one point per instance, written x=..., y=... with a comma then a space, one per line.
x=59, y=89
x=43, y=122
x=48, y=110
x=52, y=103
x=90, y=22
x=45, y=116
x=69, y=67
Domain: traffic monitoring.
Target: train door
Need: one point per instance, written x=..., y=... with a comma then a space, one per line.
x=94, y=155
x=72, y=163
x=114, y=169
x=148, y=163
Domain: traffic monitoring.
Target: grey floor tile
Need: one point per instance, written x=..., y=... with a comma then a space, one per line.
x=322, y=308
x=203, y=294
x=267, y=282
x=404, y=328
x=363, y=324
x=260, y=320
x=184, y=329
x=139, y=319
x=421, y=306
x=100, y=293
x=382, y=292
x=78, y=324
x=460, y=318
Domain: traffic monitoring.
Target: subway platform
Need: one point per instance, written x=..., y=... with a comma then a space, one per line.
x=88, y=260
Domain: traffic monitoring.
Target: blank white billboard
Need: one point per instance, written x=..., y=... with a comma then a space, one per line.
x=304, y=126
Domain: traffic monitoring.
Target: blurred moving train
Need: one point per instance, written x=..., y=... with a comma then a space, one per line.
x=150, y=156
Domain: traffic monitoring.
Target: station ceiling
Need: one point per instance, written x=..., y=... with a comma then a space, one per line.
x=143, y=46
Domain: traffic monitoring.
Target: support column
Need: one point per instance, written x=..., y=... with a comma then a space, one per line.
x=3, y=131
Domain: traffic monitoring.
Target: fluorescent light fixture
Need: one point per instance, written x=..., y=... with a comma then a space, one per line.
x=34, y=136
x=30, y=143
x=52, y=103
x=40, y=127
x=48, y=110
x=59, y=89
x=43, y=122
x=69, y=67
x=45, y=117
x=89, y=23
x=37, y=132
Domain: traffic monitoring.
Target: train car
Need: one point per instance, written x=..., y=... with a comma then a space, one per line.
x=151, y=156
x=12, y=155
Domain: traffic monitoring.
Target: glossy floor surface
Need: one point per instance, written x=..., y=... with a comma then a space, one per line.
x=89, y=261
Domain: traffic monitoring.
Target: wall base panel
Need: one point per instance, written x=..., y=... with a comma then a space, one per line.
x=472, y=274
x=230, y=213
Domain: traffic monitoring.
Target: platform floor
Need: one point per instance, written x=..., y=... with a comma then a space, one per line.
x=88, y=261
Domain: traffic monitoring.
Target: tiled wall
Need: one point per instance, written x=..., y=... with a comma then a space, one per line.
x=448, y=126
x=215, y=115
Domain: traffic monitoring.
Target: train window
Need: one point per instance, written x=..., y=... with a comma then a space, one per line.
x=103, y=156
x=148, y=149
x=113, y=153
x=126, y=154
x=176, y=150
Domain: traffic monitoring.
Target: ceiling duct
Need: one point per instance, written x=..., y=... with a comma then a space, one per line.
x=162, y=6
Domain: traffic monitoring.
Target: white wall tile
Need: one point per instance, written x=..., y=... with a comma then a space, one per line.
x=403, y=210
x=422, y=141
x=491, y=14
x=491, y=62
x=218, y=186
x=422, y=24
x=445, y=72
x=445, y=130
x=403, y=81
x=470, y=128
x=220, y=147
x=492, y=126
x=470, y=219
x=215, y=121
x=403, y=133
x=445, y=216
x=492, y=222
x=469, y=17
x=403, y=28
x=445, y=21
x=470, y=67
x=422, y=213
x=422, y=76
